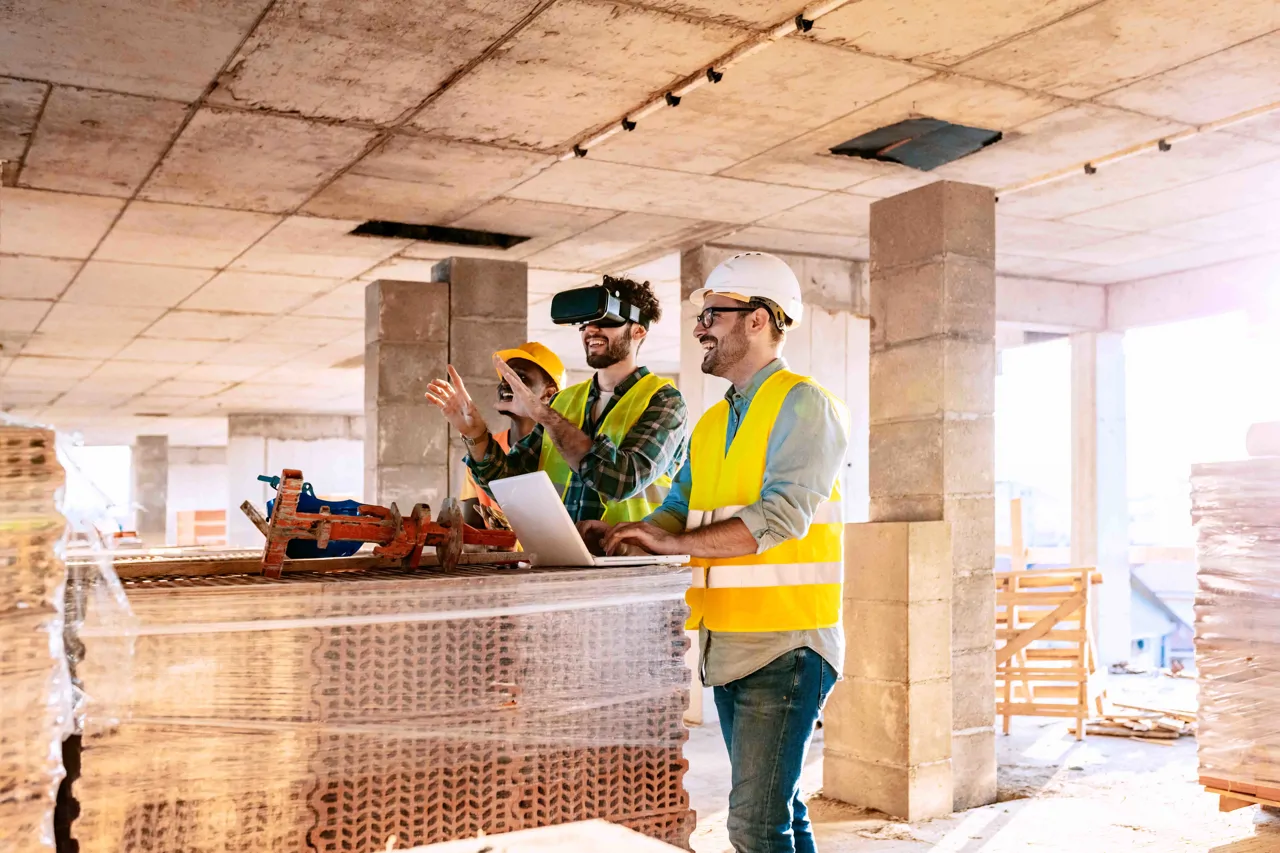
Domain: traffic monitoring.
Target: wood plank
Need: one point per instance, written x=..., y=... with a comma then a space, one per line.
x=1064, y=635
x=1184, y=716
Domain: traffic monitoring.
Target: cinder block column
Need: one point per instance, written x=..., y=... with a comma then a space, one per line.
x=149, y=490
x=1099, y=484
x=413, y=330
x=932, y=444
x=887, y=725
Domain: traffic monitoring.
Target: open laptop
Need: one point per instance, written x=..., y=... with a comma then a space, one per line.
x=546, y=531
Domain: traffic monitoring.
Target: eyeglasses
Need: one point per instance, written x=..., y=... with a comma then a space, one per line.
x=708, y=315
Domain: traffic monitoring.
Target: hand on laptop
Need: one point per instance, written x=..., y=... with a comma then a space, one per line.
x=640, y=536
x=593, y=533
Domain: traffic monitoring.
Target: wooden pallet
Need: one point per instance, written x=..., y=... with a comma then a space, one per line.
x=1240, y=795
x=1044, y=656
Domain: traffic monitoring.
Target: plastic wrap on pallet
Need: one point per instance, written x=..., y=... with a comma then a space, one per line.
x=1236, y=506
x=338, y=711
x=35, y=685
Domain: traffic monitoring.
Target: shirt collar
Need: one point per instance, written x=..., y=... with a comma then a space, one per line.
x=733, y=396
x=623, y=387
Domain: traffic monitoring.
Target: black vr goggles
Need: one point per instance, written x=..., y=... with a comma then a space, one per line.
x=596, y=306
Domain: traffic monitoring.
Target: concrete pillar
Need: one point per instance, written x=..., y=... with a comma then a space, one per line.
x=149, y=489
x=887, y=726
x=1099, y=484
x=831, y=344
x=932, y=442
x=413, y=330
x=327, y=449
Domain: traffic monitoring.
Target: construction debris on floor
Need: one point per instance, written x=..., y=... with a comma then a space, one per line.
x=1236, y=506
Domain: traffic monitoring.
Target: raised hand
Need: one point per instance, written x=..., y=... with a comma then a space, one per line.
x=525, y=400
x=451, y=397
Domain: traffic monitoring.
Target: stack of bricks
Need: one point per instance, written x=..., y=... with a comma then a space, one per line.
x=35, y=687
x=334, y=712
x=1236, y=506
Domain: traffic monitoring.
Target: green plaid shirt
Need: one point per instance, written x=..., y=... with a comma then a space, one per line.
x=656, y=445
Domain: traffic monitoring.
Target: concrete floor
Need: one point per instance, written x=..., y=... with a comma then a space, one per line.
x=1056, y=796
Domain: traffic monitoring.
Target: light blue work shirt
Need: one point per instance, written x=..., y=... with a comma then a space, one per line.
x=802, y=462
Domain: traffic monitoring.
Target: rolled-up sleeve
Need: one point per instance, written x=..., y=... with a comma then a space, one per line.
x=522, y=458
x=653, y=446
x=804, y=458
x=674, y=512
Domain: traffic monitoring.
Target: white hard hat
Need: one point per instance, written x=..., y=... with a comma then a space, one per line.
x=754, y=275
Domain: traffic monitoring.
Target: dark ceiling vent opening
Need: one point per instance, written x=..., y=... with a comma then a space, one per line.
x=439, y=234
x=921, y=143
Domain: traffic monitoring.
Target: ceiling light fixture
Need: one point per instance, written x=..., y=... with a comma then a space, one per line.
x=752, y=46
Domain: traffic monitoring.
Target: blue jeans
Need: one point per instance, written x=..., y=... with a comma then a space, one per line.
x=767, y=719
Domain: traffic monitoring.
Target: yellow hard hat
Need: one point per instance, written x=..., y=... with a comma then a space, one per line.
x=540, y=355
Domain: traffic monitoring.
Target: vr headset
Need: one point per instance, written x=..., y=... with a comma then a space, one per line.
x=594, y=305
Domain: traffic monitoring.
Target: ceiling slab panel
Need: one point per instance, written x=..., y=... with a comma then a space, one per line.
x=1265, y=127
x=1032, y=267
x=1249, y=221
x=656, y=191
x=616, y=238
x=370, y=61
x=424, y=181
x=1073, y=135
x=41, y=367
x=208, y=326
x=798, y=242
x=74, y=345
x=56, y=225
x=253, y=162
x=1118, y=42
x=765, y=100
x=936, y=33
x=835, y=213
x=545, y=223
x=180, y=235
x=758, y=14
x=1131, y=248
x=124, y=321
x=99, y=142
x=1189, y=160
x=1204, y=198
x=20, y=102
x=25, y=277
x=579, y=64
x=1039, y=239
x=1194, y=257
x=162, y=355
x=162, y=50
x=20, y=316
x=112, y=283
x=345, y=302
x=807, y=161
x=257, y=293
x=1223, y=84
x=308, y=245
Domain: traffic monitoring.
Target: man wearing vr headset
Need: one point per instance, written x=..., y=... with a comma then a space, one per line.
x=611, y=444
x=758, y=507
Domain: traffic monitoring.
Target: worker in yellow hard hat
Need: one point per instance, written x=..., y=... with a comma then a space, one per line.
x=541, y=370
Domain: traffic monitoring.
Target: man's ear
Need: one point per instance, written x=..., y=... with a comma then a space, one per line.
x=638, y=332
x=549, y=391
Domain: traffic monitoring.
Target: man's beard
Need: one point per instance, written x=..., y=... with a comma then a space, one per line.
x=727, y=351
x=614, y=352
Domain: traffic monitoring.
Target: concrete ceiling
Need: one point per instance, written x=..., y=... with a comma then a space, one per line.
x=181, y=181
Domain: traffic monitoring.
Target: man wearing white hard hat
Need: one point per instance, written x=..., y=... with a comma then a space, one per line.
x=758, y=506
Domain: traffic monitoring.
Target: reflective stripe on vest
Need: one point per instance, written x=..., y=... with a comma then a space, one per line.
x=571, y=403
x=793, y=586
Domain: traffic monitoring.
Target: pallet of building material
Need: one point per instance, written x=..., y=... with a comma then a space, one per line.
x=35, y=687
x=337, y=711
x=1044, y=646
x=1236, y=508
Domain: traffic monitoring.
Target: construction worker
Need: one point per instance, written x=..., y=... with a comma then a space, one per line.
x=758, y=507
x=610, y=444
x=542, y=372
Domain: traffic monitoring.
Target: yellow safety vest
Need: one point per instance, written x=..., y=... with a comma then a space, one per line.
x=571, y=403
x=794, y=586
